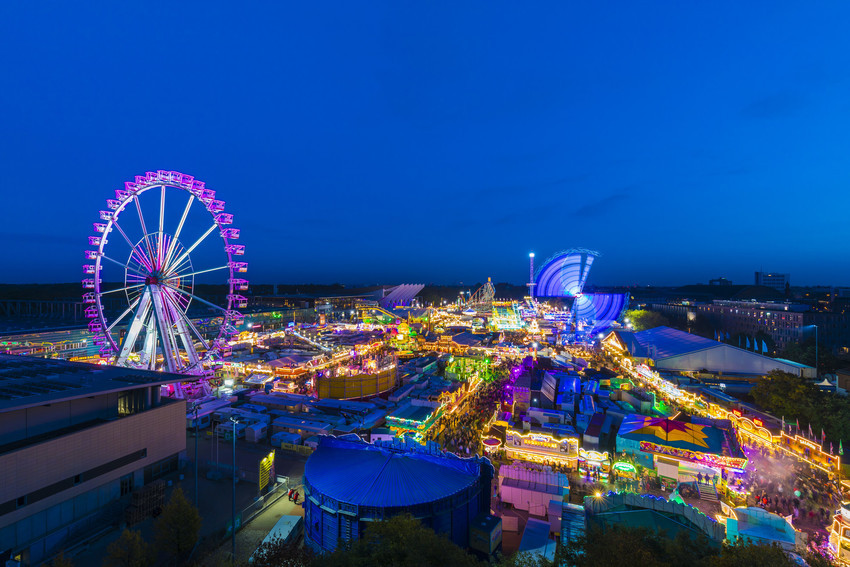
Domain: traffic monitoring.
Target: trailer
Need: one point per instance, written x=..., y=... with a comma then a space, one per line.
x=288, y=529
x=256, y=432
x=206, y=409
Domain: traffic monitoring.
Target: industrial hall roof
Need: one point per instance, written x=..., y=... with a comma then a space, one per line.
x=672, y=342
x=355, y=472
x=28, y=381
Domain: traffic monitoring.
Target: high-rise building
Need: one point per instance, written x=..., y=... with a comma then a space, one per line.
x=779, y=282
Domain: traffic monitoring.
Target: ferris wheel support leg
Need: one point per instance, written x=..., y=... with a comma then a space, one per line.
x=148, y=355
x=163, y=321
x=135, y=327
x=182, y=330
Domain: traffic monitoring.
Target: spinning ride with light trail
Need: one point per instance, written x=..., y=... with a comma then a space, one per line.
x=157, y=271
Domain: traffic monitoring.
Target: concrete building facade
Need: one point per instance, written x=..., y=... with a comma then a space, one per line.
x=76, y=439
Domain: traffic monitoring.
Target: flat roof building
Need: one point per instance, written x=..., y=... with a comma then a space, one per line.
x=670, y=349
x=75, y=438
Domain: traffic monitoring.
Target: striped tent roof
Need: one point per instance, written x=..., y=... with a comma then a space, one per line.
x=673, y=433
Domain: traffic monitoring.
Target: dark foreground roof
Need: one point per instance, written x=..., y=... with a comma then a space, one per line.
x=27, y=381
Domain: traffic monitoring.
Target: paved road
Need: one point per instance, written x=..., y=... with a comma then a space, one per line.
x=215, y=502
x=252, y=533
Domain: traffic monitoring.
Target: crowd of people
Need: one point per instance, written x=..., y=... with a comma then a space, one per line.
x=783, y=485
x=460, y=432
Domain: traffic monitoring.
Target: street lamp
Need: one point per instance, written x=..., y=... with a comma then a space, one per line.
x=195, y=408
x=233, y=517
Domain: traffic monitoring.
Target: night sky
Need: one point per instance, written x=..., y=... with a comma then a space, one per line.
x=362, y=142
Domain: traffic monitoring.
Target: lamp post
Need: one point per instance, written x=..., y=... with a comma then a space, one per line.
x=233, y=517
x=197, y=428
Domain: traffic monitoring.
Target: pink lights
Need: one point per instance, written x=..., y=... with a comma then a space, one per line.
x=158, y=268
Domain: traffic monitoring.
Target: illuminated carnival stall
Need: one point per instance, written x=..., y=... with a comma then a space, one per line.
x=680, y=450
x=541, y=448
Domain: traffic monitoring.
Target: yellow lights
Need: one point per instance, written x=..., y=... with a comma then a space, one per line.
x=593, y=456
x=534, y=442
x=597, y=494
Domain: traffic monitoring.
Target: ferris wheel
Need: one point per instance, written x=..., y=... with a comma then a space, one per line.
x=142, y=280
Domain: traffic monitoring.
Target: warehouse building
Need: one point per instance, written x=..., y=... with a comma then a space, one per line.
x=671, y=349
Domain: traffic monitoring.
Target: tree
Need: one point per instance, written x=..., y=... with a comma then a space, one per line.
x=61, y=561
x=614, y=547
x=748, y=554
x=806, y=353
x=178, y=527
x=401, y=541
x=619, y=545
x=129, y=550
x=524, y=559
x=786, y=394
x=277, y=553
x=641, y=319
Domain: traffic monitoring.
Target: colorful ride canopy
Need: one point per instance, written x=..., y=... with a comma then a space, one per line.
x=565, y=273
x=600, y=310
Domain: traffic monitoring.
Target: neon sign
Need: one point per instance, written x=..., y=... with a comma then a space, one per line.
x=709, y=459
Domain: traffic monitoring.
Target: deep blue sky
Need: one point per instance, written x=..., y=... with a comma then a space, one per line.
x=437, y=142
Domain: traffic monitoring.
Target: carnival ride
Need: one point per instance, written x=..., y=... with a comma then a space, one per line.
x=389, y=316
x=158, y=277
x=506, y=316
x=596, y=312
x=482, y=300
x=565, y=273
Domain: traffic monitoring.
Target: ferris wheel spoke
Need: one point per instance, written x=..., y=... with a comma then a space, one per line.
x=121, y=289
x=159, y=258
x=182, y=314
x=177, y=274
x=182, y=301
x=124, y=234
x=172, y=245
x=126, y=312
x=125, y=266
x=145, y=263
x=144, y=228
x=193, y=296
x=189, y=250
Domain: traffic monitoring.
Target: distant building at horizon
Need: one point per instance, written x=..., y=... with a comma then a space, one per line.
x=720, y=281
x=779, y=282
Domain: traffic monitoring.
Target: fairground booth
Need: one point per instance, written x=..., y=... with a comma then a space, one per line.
x=594, y=464
x=680, y=450
x=839, y=535
x=536, y=447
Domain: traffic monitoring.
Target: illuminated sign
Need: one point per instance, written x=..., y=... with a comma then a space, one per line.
x=541, y=443
x=624, y=466
x=709, y=459
x=594, y=456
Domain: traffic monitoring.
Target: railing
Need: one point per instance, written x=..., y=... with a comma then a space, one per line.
x=255, y=508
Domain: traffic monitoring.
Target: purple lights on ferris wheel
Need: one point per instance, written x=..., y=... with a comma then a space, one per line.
x=159, y=275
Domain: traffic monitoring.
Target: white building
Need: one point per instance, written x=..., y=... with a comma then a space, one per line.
x=670, y=349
